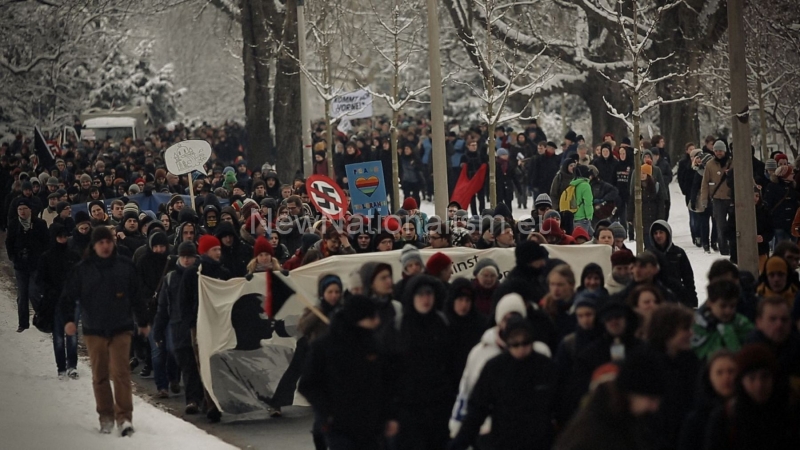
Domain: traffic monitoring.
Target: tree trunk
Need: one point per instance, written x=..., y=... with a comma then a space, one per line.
x=256, y=57
x=287, y=112
x=595, y=89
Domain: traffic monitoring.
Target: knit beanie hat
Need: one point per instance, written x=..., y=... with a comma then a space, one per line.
x=516, y=326
x=543, y=199
x=642, y=373
x=618, y=230
x=187, y=248
x=85, y=177
x=499, y=226
x=326, y=281
x=307, y=241
x=586, y=299
x=409, y=254
x=358, y=307
x=502, y=152
x=82, y=217
x=409, y=203
x=132, y=207
x=510, y=303
x=129, y=215
x=94, y=203
x=647, y=169
x=720, y=146
x=622, y=258
x=60, y=206
x=206, y=243
x=579, y=232
x=158, y=238
x=776, y=264
x=484, y=263
x=263, y=245
x=582, y=171
x=437, y=263
x=551, y=227
x=134, y=189
x=755, y=357
x=529, y=251
x=552, y=214
x=99, y=234
x=694, y=153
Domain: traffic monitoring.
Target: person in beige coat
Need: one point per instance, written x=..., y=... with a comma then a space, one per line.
x=715, y=192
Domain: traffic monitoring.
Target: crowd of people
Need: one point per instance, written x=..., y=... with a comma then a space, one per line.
x=536, y=357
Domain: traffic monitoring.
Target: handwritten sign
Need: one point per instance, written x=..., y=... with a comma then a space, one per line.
x=352, y=105
x=187, y=156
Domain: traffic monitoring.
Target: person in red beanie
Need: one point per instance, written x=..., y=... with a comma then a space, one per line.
x=419, y=218
x=440, y=266
x=253, y=228
x=210, y=250
x=263, y=257
x=552, y=231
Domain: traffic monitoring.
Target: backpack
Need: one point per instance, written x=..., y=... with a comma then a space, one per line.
x=567, y=202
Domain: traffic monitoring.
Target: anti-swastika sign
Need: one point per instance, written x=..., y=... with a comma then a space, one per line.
x=326, y=196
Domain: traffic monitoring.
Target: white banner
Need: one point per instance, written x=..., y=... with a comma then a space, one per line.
x=352, y=105
x=464, y=261
x=247, y=361
x=250, y=362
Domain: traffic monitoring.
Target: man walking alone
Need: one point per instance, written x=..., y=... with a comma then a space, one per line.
x=108, y=289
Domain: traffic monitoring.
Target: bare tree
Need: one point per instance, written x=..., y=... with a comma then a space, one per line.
x=505, y=72
x=636, y=24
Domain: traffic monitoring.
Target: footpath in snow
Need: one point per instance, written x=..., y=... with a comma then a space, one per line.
x=40, y=412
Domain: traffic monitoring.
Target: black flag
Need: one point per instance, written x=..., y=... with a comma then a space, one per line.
x=46, y=156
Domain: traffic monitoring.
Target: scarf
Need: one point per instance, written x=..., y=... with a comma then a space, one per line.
x=26, y=224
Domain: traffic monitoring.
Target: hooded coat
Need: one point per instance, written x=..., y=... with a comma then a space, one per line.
x=520, y=396
x=426, y=386
x=235, y=257
x=675, y=265
x=150, y=269
x=465, y=331
x=781, y=201
x=274, y=191
x=543, y=168
x=347, y=379
x=25, y=247
x=390, y=311
x=54, y=268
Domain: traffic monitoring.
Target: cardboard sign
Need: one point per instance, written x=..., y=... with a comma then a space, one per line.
x=352, y=105
x=326, y=196
x=187, y=156
x=367, y=188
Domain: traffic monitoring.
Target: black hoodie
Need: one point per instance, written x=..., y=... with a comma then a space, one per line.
x=426, y=381
x=236, y=256
x=55, y=266
x=465, y=331
x=274, y=191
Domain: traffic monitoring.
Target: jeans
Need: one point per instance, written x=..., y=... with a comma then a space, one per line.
x=63, y=343
x=586, y=224
x=26, y=294
x=702, y=226
x=165, y=367
x=781, y=235
x=694, y=225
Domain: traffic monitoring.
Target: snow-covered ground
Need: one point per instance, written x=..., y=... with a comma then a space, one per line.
x=678, y=220
x=40, y=412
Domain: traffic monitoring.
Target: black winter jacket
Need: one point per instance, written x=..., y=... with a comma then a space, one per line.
x=346, y=379
x=169, y=311
x=675, y=266
x=110, y=294
x=188, y=298
x=24, y=248
x=519, y=395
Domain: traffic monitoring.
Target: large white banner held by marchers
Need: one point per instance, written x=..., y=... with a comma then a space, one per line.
x=352, y=105
x=250, y=362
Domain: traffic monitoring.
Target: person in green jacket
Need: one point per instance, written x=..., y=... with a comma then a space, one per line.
x=717, y=325
x=584, y=199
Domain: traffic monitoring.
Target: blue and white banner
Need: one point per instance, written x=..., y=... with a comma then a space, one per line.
x=367, y=188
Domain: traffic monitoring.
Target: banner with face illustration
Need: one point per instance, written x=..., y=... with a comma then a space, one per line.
x=251, y=361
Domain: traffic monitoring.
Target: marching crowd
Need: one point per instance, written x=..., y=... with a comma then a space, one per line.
x=536, y=357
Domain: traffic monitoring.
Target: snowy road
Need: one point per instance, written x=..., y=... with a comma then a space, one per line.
x=40, y=412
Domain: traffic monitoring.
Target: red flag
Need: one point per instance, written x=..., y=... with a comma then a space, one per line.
x=466, y=188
